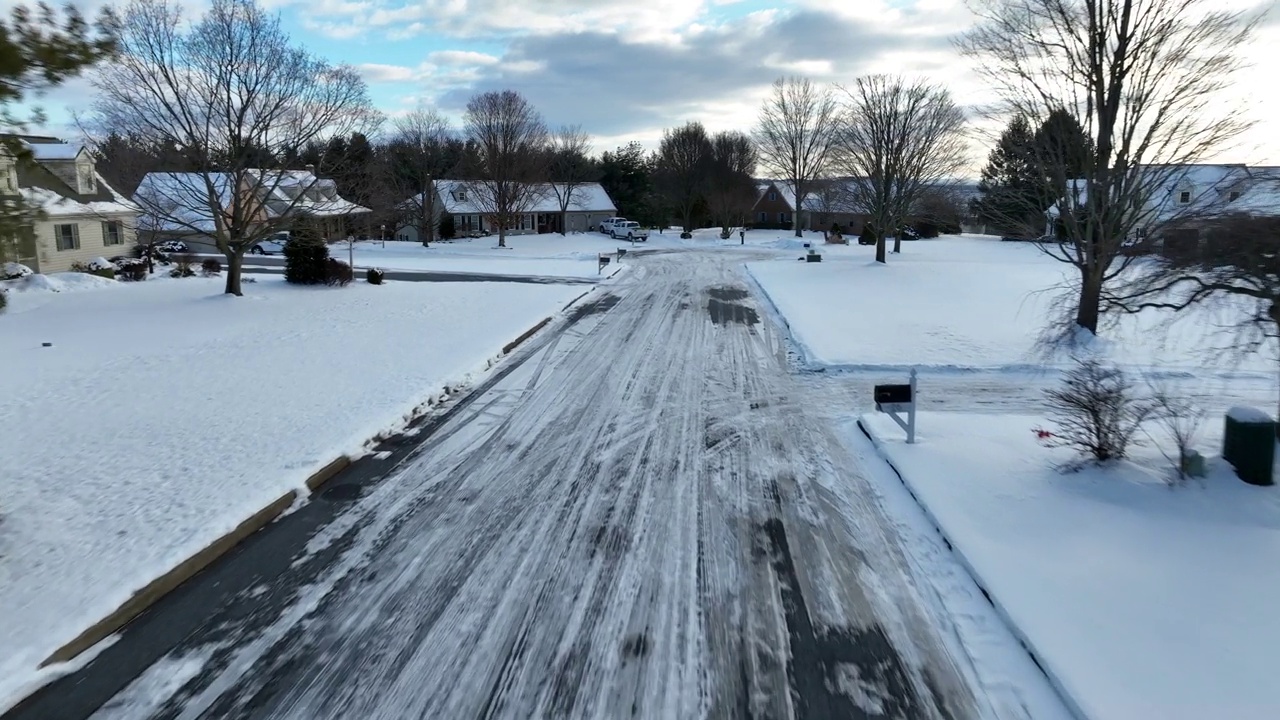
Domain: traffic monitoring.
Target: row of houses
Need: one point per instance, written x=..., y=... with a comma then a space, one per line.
x=84, y=218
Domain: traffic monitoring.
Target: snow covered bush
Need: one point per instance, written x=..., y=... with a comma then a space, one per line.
x=448, y=228
x=183, y=266
x=374, y=276
x=337, y=272
x=97, y=266
x=211, y=267
x=1096, y=411
x=306, y=258
x=131, y=269
x=14, y=271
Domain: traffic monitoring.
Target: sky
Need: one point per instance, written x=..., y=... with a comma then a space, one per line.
x=626, y=69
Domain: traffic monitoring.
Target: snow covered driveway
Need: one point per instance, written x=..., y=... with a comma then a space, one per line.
x=647, y=518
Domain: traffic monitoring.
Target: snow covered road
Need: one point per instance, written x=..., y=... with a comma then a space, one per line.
x=649, y=517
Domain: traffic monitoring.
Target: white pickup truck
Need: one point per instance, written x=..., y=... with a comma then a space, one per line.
x=630, y=230
x=606, y=225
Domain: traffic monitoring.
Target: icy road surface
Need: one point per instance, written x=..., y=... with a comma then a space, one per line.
x=646, y=519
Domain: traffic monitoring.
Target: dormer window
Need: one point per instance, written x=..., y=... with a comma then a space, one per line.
x=462, y=195
x=8, y=176
x=1184, y=197
x=88, y=183
x=773, y=195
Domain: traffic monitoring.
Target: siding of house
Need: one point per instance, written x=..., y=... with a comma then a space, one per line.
x=50, y=259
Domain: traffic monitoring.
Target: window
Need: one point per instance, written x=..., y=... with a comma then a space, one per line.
x=67, y=236
x=8, y=177
x=462, y=194
x=111, y=234
x=1184, y=197
x=773, y=195
x=762, y=217
x=783, y=217
x=88, y=183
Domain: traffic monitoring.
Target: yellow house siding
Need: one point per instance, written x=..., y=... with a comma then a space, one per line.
x=92, y=246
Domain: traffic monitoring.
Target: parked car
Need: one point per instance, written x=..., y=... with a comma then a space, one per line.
x=273, y=245
x=607, y=224
x=630, y=230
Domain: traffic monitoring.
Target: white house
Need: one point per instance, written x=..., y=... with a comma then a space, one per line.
x=589, y=205
x=83, y=218
x=175, y=205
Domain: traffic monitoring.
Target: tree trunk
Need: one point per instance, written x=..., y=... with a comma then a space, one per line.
x=897, y=242
x=235, y=261
x=880, y=248
x=564, y=222
x=1090, y=300
x=502, y=234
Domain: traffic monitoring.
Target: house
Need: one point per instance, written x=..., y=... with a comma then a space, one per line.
x=831, y=202
x=1183, y=202
x=174, y=205
x=82, y=217
x=775, y=206
x=463, y=200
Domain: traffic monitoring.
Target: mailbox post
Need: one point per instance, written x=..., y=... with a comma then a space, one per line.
x=893, y=399
x=604, y=260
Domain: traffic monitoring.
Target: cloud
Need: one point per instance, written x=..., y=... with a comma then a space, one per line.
x=614, y=85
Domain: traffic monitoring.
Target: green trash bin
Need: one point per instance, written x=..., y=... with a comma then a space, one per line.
x=1249, y=444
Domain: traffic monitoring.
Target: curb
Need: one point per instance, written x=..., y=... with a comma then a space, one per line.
x=1068, y=699
x=153, y=591
x=506, y=350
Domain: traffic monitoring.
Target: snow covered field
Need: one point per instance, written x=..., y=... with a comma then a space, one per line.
x=165, y=413
x=1141, y=601
x=965, y=303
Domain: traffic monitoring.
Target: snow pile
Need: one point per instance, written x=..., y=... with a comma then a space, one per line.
x=164, y=414
x=1140, y=601
x=59, y=282
x=101, y=264
x=964, y=303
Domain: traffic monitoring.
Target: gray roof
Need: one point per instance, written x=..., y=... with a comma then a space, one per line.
x=460, y=197
x=178, y=201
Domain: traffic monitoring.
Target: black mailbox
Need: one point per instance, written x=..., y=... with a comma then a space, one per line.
x=892, y=394
x=622, y=252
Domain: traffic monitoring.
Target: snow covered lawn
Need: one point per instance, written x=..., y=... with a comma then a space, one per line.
x=165, y=413
x=1140, y=600
x=962, y=303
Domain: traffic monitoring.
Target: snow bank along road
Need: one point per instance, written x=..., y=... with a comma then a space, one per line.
x=643, y=517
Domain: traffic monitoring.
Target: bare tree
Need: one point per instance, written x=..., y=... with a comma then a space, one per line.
x=234, y=97
x=682, y=168
x=731, y=191
x=796, y=135
x=418, y=153
x=1143, y=80
x=508, y=172
x=571, y=168
x=899, y=139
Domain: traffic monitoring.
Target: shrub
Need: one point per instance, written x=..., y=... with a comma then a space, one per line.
x=926, y=229
x=14, y=271
x=4, y=299
x=1181, y=419
x=306, y=258
x=868, y=234
x=130, y=269
x=337, y=272
x=1096, y=411
x=211, y=267
x=374, y=276
x=448, y=229
x=835, y=228
x=98, y=267
x=183, y=266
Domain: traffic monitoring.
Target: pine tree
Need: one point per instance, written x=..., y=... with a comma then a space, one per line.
x=1011, y=187
x=1063, y=151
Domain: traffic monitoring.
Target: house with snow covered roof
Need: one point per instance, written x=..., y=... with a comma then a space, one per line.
x=775, y=206
x=80, y=218
x=589, y=204
x=1183, y=202
x=181, y=206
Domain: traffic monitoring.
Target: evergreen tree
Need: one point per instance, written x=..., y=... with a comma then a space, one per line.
x=625, y=175
x=1063, y=152
x=1011, y=188
x=306, y=256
